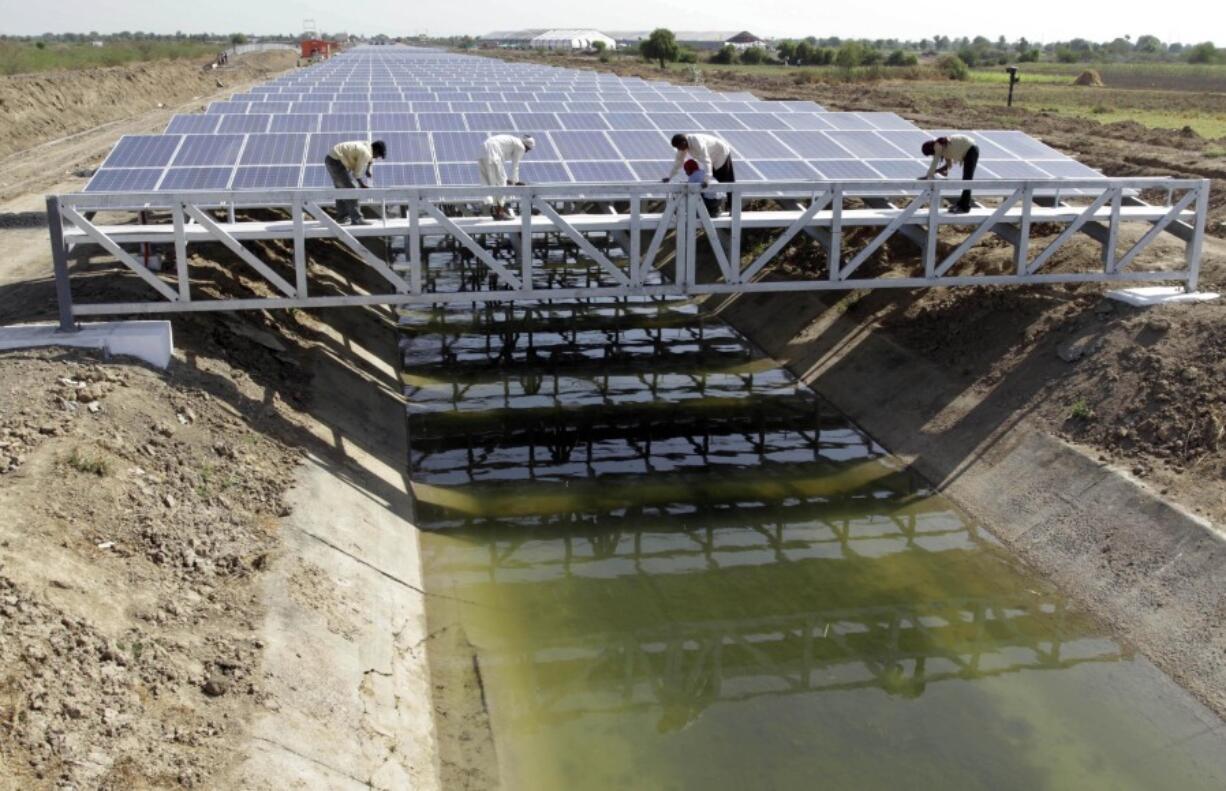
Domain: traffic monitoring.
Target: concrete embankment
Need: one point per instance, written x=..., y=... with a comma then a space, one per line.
x=1155, y=573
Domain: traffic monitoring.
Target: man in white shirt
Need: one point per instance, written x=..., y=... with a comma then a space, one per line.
x=349, y=164
x=496, y=151
x=955, y=148
x=713, y=155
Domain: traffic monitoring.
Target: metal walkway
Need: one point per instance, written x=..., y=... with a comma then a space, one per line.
x=656, y=229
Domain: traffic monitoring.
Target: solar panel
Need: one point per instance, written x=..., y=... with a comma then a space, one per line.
x=274, y=150
x=784, y=169
x=187, y=179
x=601, y=171
x=294, y=123
x=544, y=173
x=1011, y=169
x=899, y=168
x=761, y=121
x=489, y=122
x=268, y=107
x=583, y=145
x=849, y=121
x=629, y=121
x=124, y=180
x=866, y=145
x=673, y=122
x=582, y=121
x=458, y=173
x=208, y=150
x=640, y=145
x=394, y=122
x=142, y=151
x=441, y=122
x=399, y=174
x=344, y=122
x=758, y=145
x=652, y=170
x=806, y=121
x=267, y=177
x=813, y=145
x=457, y=146
x=241, y=124
x=535, y=122
x=845, y=169
x=193, y=124
x=407, y=146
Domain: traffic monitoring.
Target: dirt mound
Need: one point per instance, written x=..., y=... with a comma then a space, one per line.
x=36, y=108
x=138, y=512
x=1089, y=77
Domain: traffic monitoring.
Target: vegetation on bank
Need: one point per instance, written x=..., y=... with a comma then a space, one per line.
x=25, y=57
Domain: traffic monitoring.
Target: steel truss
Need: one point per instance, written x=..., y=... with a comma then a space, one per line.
x=645, y=219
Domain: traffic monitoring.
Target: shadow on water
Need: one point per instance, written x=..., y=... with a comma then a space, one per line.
x=676, y=568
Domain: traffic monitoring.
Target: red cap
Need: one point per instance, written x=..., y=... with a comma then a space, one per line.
x=690, y=166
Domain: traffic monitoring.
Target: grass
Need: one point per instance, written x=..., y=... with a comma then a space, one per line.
x=25, y=57
x=91, y=465
x=1082, y=411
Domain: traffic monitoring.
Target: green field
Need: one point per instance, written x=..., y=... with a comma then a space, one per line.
x=25, y=57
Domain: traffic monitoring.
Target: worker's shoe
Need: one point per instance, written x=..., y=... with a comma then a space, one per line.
x=498, y=213
x=960, y=208
x=357, y=221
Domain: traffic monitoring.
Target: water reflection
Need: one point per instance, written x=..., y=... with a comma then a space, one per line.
x=663, y=553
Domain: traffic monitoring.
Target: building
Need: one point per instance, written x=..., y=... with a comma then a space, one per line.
x=694, y=39
x=317, y=48
x=556, y=38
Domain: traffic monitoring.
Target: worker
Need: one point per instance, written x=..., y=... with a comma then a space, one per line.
x=349, y=164
x=496, y=151
x=713, y=201
x=713, y=155
x=955, y=148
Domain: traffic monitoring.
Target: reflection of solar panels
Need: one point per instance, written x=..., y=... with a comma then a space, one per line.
x=434, y=110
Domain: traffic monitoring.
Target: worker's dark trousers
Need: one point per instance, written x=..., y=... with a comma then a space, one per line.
x=724, y=175
x=341, y=179
x=968, y=173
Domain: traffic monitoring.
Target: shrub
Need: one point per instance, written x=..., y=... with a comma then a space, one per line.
x=725, y=56
x=953, y=67
x=1205, y=52
x=687, y=56
x=755, y=55
x=900, y=58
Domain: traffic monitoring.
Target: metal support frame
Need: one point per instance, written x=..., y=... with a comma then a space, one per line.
x=654, y=216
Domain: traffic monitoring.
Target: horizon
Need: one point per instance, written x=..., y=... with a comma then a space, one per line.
x=1044, y=20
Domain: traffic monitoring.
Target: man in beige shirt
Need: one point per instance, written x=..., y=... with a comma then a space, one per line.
x=349, y=164
x=955, y=148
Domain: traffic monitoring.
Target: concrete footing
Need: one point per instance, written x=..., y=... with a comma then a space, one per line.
x=1145, y=296
x=151, y=341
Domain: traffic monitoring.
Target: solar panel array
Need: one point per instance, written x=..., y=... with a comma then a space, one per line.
x=434, y=110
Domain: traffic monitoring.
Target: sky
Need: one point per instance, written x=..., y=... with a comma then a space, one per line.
x=1037, y=20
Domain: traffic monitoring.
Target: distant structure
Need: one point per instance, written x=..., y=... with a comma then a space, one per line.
x=694, y=39
x=555, y=38
x=317, y=49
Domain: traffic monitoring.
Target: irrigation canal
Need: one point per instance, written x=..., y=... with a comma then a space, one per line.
x=670, y=566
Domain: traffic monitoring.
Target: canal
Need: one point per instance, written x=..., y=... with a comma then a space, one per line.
x=657, y=561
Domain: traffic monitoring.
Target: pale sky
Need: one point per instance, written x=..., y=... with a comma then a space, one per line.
x=1038, y=20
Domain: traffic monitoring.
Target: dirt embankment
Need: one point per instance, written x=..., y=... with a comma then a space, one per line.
x=36, y=108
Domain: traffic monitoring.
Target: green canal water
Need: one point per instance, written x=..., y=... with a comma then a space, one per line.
x=668, y=566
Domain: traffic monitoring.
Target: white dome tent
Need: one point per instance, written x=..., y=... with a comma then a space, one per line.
x=571, y=39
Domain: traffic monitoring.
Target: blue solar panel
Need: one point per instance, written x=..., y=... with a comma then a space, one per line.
x=266, y=108
x=867, y=145
x=314, y=176
x=784, y=169
x=124, y=180
x=805, y=121
x=889, y=121
x=758, y=145
x=208, y=150
x=716, y=122
x=294, y=123
x=851, y=169
x=1010, y=169
x=673, y=123
x=274, y=150
x=441, y=122
x=629, y=121
x=640, y=145
x=470, y=107
x=457, y=146
x=909, y=142
x=195, y=179
x=361, y=108
x=393, y=122
x=142, y=151
x=761, y=121
x=535, y=122
x=659, y=107
x=344, y=122
x=243, y=124
x=583, y=145
x=458, y=173
x=193, y=124
x=601, y=171
x=267, y=177
x=397, y=174
x=899, y=168
x=581, y=121
x=813, y=145
x=1018, y=143
x=407, y=146
x=318, y=108
x=224, y=108
x=651, y=170
x=849, y=121
x=391, y=107
x=489, y=122
x=544, y=172
x=321, y=144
